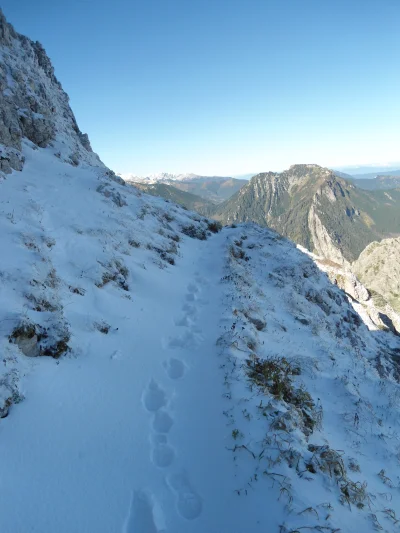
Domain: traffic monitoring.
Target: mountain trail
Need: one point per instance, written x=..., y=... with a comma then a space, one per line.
x=137, y=415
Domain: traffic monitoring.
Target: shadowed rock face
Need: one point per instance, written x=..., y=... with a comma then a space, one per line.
x=375, y=309
x=33, y=104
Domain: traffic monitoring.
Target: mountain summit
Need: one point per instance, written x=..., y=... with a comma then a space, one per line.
x=317, y=209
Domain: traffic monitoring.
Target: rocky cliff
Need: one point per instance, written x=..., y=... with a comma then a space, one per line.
x=33, y=106
x=375, y=309
x=316, y=209
x=379, y=268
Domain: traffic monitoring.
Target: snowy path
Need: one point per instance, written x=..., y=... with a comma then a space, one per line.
x=150, y=423
x=126, y=433
x=137, y=437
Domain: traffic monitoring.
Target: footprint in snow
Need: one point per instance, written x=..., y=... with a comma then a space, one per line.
x=174, y=368
x=188, y=502
x=183, y=322
x=189, y=309
x=191, y=297
x=158, y=438
x=154, y=397
x=187, y=340
x=162, y=422
x=145, y=515
x=162, y=454
x=192, y=288
x=200, y=280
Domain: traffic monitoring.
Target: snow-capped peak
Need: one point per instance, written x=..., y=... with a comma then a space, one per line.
x=158, y=178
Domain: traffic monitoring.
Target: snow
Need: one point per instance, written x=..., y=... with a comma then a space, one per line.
x=157, y=178
x=166, y=177
x=156, y=413
x=150, y=423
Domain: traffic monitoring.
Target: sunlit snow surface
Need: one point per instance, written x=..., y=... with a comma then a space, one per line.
x=154, y=426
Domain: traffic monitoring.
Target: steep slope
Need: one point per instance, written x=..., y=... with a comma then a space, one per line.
x=379, y=267
x=172, y=193
x=34, y=106
x=315, y=208
x=157, y=377
x=212, y=188
x=375, y=309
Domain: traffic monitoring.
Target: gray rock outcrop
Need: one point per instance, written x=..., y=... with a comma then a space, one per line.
x=378, y=313
x=33, y=105
x=378, y=267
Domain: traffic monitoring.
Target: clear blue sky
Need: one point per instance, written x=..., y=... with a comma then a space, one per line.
x=224, y=86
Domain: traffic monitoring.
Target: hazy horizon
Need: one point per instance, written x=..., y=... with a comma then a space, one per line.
x=352, y=170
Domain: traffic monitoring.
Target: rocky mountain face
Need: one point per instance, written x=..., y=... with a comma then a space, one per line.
x=214, y=189
x=379, y=268
x=317, y=209
x=33, y=105
x=376, y=310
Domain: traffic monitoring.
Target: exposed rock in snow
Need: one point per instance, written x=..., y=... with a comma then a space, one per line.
x=33, y=104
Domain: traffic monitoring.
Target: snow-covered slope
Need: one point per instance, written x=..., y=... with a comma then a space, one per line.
x=87, y=275
x=159, y=377
x=34, y=106
x=314, y=427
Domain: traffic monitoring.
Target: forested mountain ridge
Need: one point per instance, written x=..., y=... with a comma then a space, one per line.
x=317, y=209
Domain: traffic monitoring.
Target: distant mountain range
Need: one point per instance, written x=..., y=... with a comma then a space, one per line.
x=372, y=181
x=160, y=177
x=369, y=170
x=214, y=189
x=381, y=182
x=186, y=199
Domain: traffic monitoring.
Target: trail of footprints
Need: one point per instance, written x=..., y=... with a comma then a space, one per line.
x=143, y=511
